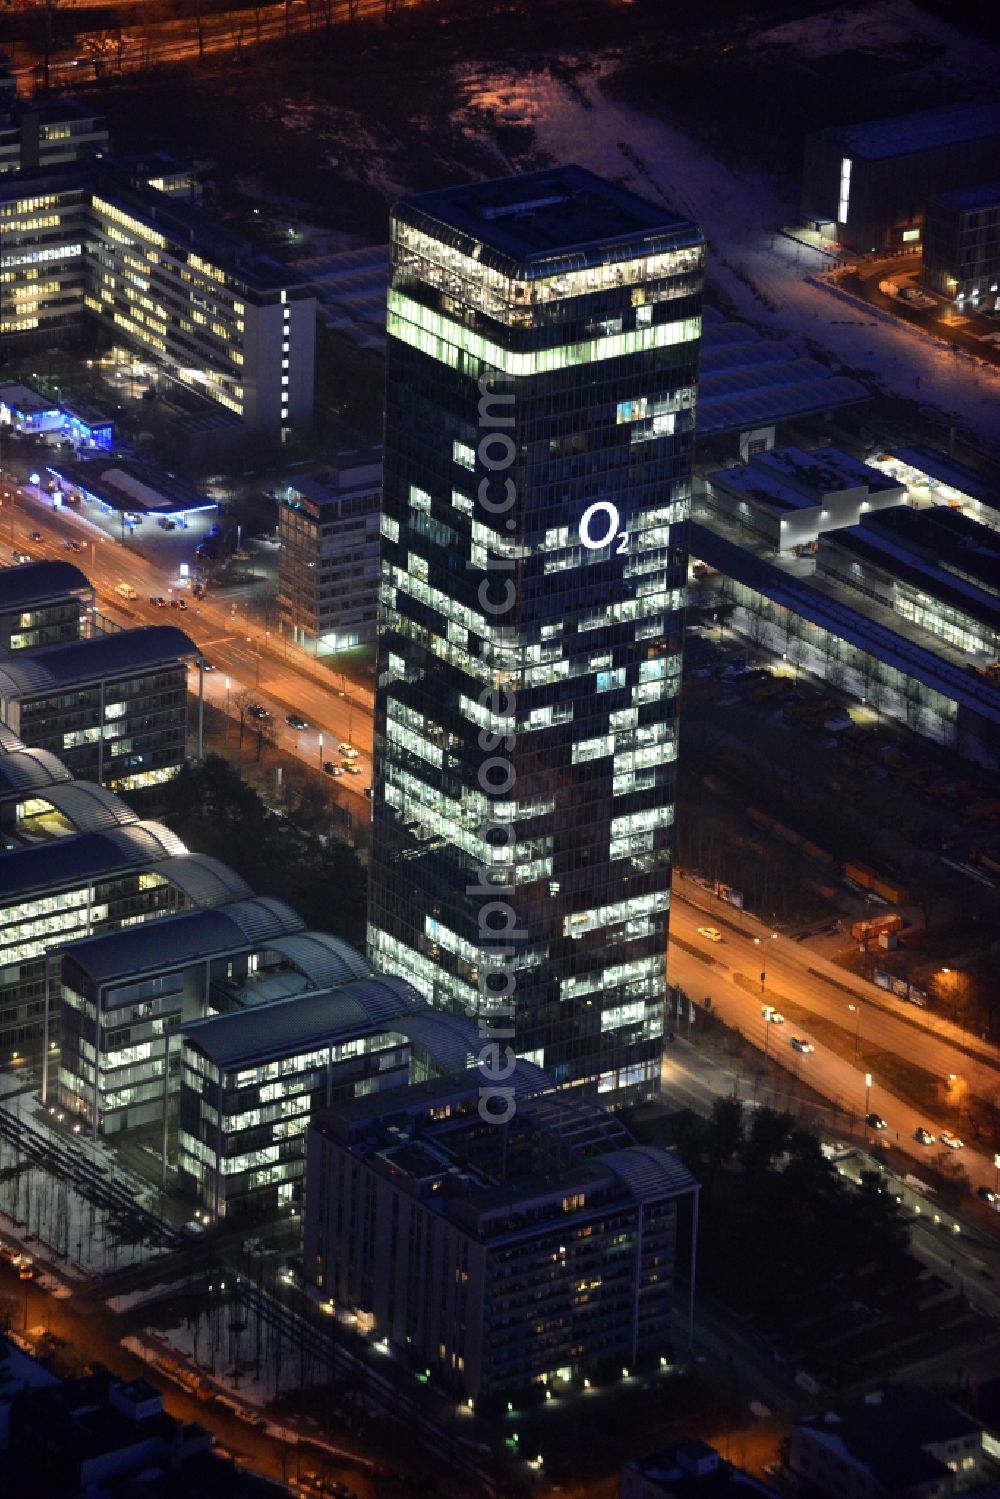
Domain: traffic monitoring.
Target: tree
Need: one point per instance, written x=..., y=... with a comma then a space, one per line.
x=725, y=1130
x=243, y=702
x=768, y=1137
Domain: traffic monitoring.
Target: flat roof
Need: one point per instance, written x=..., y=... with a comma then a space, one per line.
x=983, y=195
x=945, y=470
x=129, y=653
x=31, y=583
x=130, y=486
x=24, y=398
x=532, y=218
x=928, y=130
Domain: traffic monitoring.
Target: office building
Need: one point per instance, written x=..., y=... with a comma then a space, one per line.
x=46, y=132
x=160, y=274
x=962, y=245
x=43, y=604
x=541, y=375
x=901, y=1442
x=328, y=525
x=123, y=990
x=868, y=185
x=689, y=1469
x=85, y=866
x=251, y=1079
x=114, y=707
x=787, y=497
x=500, y=1256
x=937, y=568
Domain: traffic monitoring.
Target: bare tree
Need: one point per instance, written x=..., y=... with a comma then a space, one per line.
x=243, y=702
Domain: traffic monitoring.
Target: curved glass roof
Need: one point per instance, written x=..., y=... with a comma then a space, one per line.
x=205, y=881
x=23, y=770
x=324, y=960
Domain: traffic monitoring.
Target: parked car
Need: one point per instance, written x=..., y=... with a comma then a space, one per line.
x=710, y=933
x=923, y=1136
x=875, y=1121
x=295, y=721
x=952, y=1141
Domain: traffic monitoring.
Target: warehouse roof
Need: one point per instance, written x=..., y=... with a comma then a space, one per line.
x=929, y=130
x=128, y=653
x=190, y=937
x=35, y=583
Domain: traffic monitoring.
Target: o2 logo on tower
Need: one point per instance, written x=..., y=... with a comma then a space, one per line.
x=600, y=525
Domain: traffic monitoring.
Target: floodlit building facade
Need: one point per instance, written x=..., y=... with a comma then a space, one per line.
x=501, y=1256
x=222, y=319
x=868, y=185
x=328, y=524
x=541, y=374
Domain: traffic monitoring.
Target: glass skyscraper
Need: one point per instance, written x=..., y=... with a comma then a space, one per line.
x=542, y=366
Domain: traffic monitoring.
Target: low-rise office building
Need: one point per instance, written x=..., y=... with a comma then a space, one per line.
x=498, y=1254
x=122, y=991
x=962, y=245
x=94, y=881
x=328, y=564
x=937, y=568
x=868, y=185
x=251, y=1079
x=158, y=272
x=114, y=707
x=904, y=1443
x=43, y=604
x=47, y=132
x=788, y=497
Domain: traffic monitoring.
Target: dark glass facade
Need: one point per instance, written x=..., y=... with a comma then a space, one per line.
x=542, y=365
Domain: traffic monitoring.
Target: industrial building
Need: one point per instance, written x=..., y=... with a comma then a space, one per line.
x=962, y=245
x=93, y=238
x=498, y=1255
x=541, y=379
x=787, y=497
x=328, y=526
x=689, y=1469
x=868, y=185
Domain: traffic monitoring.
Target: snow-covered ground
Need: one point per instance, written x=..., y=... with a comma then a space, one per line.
x=768, y=278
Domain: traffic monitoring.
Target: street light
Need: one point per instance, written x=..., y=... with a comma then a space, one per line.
x=321, y=752
x=868, y=1097
x=856, y=1011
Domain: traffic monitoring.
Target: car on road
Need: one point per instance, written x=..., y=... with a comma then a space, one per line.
x=254, y=710
x=73, y=546
x=295, y=721
x=34, y=536
x=710, y=933
x=986, y=1194
x=875, y=1121
x=772, y=1015
x=157, y=602
x=21, y=556
x=952, y=1141
x=799, y=1043
x=923, y=1136
x=348, y=751
x=331, y=769
x=207, y=666
x=26, y=1268
x=351, y=768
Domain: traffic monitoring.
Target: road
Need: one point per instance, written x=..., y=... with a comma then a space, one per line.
x=882, y=1024
x=943, y=321
x=247, y=658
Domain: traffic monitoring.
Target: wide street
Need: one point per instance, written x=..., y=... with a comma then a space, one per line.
x=246, y=657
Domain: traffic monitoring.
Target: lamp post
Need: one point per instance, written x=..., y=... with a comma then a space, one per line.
x=996, y=1168
x=763, y=972
x=321, y=752
x=868, y=1098
x=856, y=1012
